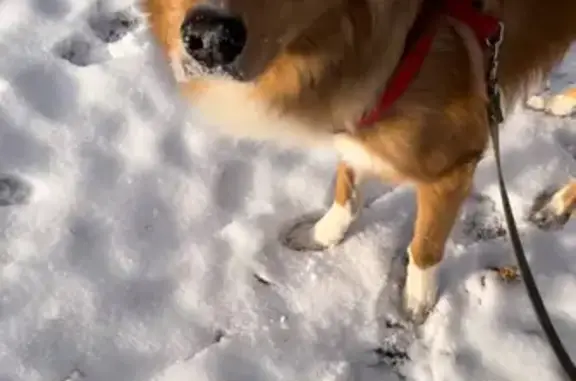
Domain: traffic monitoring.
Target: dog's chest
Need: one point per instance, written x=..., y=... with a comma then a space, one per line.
x=361, y=159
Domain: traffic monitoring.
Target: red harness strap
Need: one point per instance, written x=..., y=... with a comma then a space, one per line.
x=418, y=44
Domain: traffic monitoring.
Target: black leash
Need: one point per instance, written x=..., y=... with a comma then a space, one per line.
x=495, y=117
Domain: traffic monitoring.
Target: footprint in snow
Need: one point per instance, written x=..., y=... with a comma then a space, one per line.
x=111, y=28
x=105, y=37
x=75, y=375
x=395, y=332
x=14, y=191
x=480, y=220
x=395, y=338
x=566, y=138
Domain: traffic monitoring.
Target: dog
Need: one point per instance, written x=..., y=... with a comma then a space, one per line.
x=304, y=72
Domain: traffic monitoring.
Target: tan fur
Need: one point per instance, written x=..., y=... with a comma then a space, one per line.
x=538, y=34
x=345, y=184
x=438, y=206
x=554, y=210
x=563, y=202
x=320, y=64
x=571, y=93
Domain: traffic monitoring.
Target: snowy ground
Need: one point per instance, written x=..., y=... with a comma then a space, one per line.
x=137, y=246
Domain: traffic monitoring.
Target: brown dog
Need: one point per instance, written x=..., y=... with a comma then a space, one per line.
x=305, y=71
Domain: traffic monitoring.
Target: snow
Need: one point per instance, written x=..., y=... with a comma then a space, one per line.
x=137, y=245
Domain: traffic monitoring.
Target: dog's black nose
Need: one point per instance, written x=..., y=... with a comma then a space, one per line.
x=213, y=38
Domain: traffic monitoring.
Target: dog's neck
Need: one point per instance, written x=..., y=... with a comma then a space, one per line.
x=339, y=66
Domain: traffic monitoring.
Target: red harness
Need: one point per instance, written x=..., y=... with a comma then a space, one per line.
x=418, y=44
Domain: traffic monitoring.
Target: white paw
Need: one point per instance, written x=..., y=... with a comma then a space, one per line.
x=549, y=211
x=314, y=234
x=561, y=105
x=537, y=102
x=420, y=292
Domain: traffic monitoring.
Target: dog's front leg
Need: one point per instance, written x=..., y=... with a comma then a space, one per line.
x=439, y=203
x=330, y=229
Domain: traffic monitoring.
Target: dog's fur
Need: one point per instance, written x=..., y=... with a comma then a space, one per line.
x=552, y=210
x=563, y=202
x=318, y=65
x=562, y=103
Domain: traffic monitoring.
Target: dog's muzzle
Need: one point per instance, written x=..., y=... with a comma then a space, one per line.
x=213, y=38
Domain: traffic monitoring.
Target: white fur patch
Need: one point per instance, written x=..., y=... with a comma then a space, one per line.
x=537, y=102
x=557, y=203
x=561, y=105
x=421, y=289
x=360, y=159
x=234, y=109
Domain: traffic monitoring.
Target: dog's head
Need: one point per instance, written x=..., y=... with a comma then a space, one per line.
x=296, y=65
x=242, y=37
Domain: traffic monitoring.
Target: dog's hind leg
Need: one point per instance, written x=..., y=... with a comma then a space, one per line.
x=438, y=204
x=331, y=228
x=553, y=210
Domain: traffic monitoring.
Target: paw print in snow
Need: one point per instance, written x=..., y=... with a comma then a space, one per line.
x=14, y=191
x=107, y=36
x=481, y=221
x=111, y=28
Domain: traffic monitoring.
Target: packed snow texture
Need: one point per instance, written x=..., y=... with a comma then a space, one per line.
x=137, y=245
